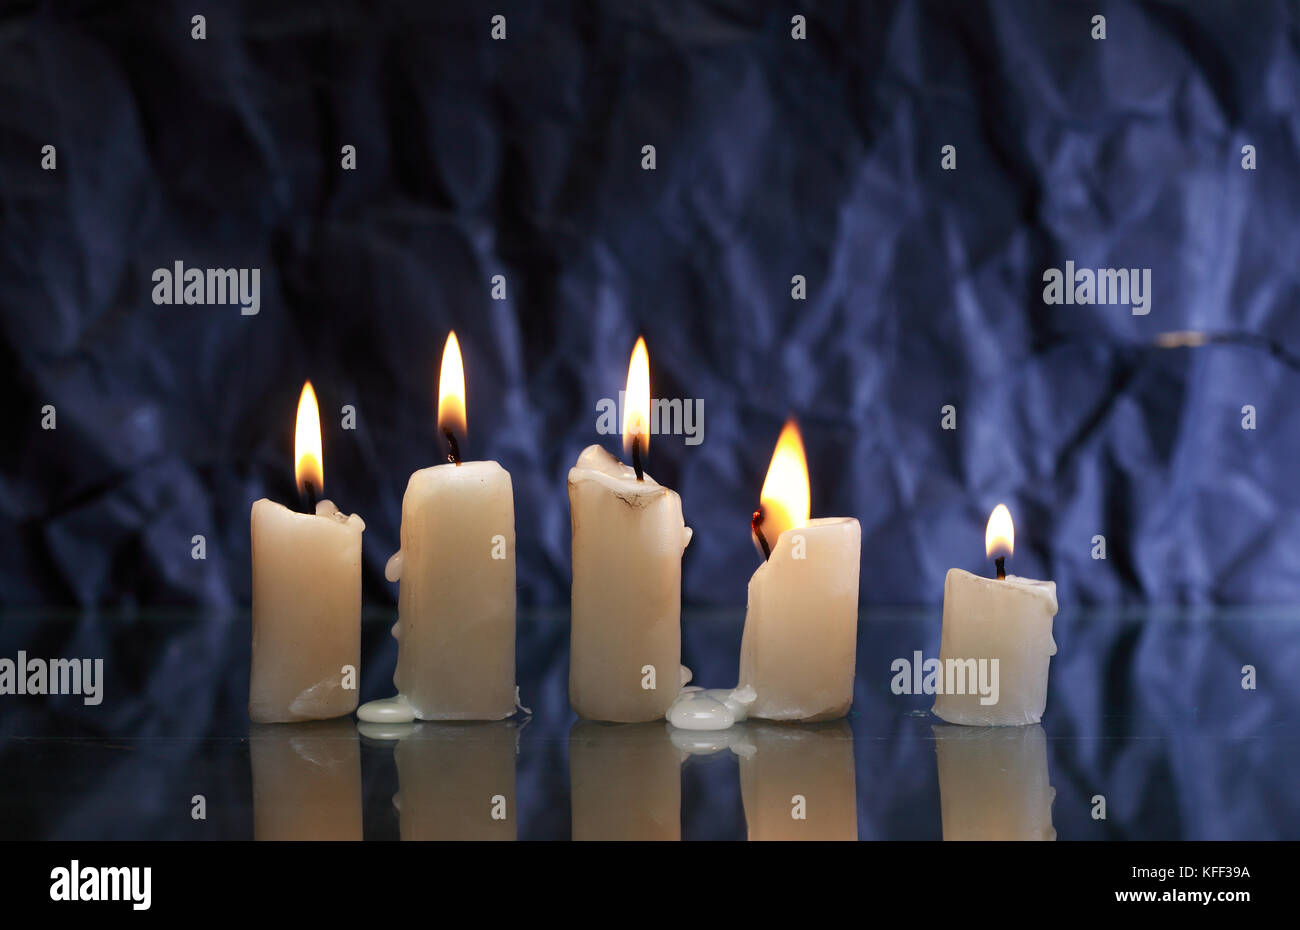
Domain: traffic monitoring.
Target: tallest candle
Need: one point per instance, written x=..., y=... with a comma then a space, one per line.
x=628, y=539
x=456, y=601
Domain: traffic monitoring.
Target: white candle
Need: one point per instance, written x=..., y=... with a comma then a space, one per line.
x=799, y=648
x=306, y=597
x=997, y=641
x=456, y=566
x=628, y=539
x=993, y=783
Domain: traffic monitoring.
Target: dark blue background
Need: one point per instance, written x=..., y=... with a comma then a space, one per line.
x=775, y=158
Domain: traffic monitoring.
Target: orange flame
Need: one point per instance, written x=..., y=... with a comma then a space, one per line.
x=1000, y=534
x=451, y=389
x=785, y=495
x=309, y=465
x=636, y=400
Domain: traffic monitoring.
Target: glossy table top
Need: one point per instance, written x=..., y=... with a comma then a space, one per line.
x=1146, y=715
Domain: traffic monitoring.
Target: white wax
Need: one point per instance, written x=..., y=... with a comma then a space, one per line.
x=456, y=602
x=1008, y=620
x=306, y=613
x=628, y=539
x=799, y=648
x=993, y=783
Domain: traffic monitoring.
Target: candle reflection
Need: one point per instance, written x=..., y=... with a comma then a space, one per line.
x=306, y=781
x=797, y=781
x=994, y=783
x=456, y=781
x=625, y=781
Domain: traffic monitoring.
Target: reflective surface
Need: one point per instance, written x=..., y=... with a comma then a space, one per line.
x=1145, y=710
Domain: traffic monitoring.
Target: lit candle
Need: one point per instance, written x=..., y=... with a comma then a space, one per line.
x=456, y=601
x=799, y=647
x=306, y=595
x=997, y=640
x=628, y=539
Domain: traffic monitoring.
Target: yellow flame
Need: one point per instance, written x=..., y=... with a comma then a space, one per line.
x=636, y=400
x=785, y=495
x=451, y=389
x=1000, y=534
x=308, y=463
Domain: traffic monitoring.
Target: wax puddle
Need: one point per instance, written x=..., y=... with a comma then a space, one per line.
x=709, y=708
x=387, y=710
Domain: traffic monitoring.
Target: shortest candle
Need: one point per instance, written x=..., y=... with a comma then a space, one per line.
x=306, y=596
x=997, y=640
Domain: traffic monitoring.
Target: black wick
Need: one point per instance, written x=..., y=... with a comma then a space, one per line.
x=1001, y=563
x=636, y=458
x=757, y=523
x=453, y=454
x=309, y=494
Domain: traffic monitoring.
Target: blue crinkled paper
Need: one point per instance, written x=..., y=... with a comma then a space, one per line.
x=775, y=157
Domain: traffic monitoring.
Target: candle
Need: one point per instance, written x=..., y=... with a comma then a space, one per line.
x=456, y=567
x=625, y=782
x=993, y=783
x=997, y=640
x=799, y=646
x=306, y=595
x=628, y=539
x=306, y=781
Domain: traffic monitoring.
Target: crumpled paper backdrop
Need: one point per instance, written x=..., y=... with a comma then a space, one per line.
x=775, y=158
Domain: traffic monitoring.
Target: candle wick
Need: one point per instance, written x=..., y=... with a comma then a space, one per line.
x=309, y=493
x=636, y=458
x=453, y=453
x=756, y=523
x=1001, y=563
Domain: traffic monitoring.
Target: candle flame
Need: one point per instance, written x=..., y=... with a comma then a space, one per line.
x=785, y=495
x=636, y=400
x=451, y=389
x=308, y=462
x=1000, y=534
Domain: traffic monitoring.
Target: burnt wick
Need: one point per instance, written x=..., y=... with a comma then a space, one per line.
x=309, y=495
x=1001, y=563
x=757, y=523
x=453, y=447
x=636, y=459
